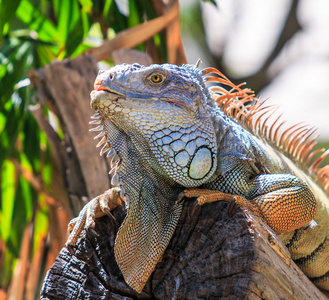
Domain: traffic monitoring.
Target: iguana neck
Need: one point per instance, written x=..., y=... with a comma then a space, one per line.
x=146, y=231
x=152, y=209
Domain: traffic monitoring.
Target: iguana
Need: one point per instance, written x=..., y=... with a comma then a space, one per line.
x=174, y=132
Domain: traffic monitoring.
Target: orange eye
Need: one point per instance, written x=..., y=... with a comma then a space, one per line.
x=157, y=78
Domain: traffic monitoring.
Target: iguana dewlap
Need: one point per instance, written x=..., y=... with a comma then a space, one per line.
x=165, y=130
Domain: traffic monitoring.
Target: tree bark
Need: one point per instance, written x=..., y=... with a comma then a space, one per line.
x=211, y=254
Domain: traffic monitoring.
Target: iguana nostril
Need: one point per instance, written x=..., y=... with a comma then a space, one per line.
x=111, y=76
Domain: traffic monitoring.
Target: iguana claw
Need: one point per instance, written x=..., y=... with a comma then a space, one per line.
x=231, y=207
x=95, y=208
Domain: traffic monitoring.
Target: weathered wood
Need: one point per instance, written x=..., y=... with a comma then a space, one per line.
x=211, y=255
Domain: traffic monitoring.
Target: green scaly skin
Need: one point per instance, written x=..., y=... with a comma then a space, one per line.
x=165, y=133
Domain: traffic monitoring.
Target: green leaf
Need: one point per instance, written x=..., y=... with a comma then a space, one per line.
x=86, y=23
x=106, y=8
x=25, y=195
x=12, y=106
x=7, y=269
x=133, y=18
x=7, y=11
x=14, y=62
x=211, y=1
x=22, y=212
x=144, y=8
x=67, y=15
x=8, y=137
x=77, y=33
x=117, y=20
x=31, y=142
x=7, y=198
x=44, y=54
x=47, y=172
x=87, y=5
x=40, y=225
x=43, y=26
x=73, y=25
x=79, y=50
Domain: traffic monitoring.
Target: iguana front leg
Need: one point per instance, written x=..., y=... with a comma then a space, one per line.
x=95, y=208
x=283, y=200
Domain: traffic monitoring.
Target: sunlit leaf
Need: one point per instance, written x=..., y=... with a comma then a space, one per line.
x=7, y=11
x=40, y=224
x=79, y=50
x=26, y=194
x=106, y=8
x=13, y=113
x=22, y=212
x=73, y=44
x=67, y=15
x=86, y=23
x=117, y=20
x=31, y=16
x=87, y=5
x=16, y=63
x=73, y=25
x=7, y=198
x=7, y=268
x=46, y=174
x=133, y=18
x=44, y=54
x=11, y=130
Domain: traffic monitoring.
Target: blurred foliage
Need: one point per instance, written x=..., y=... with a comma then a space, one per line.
x=32, y=34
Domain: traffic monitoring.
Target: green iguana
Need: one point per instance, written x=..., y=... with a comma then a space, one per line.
x=175, y=131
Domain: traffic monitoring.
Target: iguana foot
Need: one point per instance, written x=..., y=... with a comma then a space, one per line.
x=208, y=196
x=95, y=208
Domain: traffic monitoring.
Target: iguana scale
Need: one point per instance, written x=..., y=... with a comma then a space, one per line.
x=174, y=131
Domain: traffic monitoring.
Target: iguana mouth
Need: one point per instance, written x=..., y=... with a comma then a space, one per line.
x=99, y=87
x=103, y=96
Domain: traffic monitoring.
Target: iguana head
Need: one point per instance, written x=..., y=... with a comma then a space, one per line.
x=165, y=108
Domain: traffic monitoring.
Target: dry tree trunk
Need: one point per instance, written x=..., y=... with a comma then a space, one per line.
x=211, y=255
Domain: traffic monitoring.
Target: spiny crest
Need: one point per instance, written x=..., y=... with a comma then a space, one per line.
x=112, y=155
x=297, y=141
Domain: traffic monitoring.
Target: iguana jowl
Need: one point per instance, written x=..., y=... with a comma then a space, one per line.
x=165, y=131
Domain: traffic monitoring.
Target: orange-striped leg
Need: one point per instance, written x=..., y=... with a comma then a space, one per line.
x=208, y=196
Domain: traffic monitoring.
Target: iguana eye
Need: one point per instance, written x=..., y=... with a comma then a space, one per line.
x=157, y=78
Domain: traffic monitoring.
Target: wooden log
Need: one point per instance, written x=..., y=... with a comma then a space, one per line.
x=211, y=256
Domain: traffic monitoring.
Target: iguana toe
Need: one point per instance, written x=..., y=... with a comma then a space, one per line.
x=95, y=208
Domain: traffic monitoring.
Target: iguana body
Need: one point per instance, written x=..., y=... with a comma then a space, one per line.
x=165, y=131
